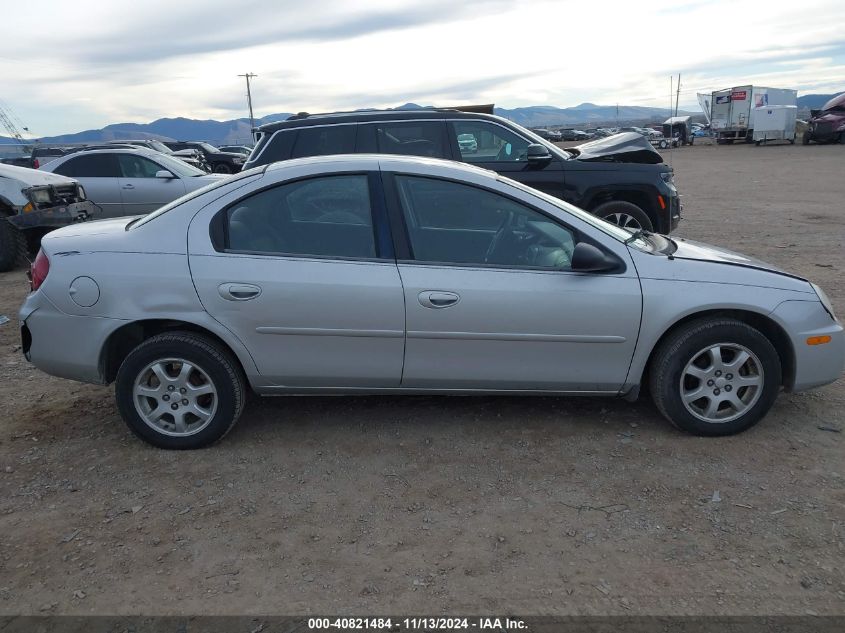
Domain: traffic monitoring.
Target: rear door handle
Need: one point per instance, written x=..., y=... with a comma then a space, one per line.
x=438, y=299
x=128, y=186
x=238, y=292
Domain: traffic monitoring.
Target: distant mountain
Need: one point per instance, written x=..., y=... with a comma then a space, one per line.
x=813, y=102
x=237, y=130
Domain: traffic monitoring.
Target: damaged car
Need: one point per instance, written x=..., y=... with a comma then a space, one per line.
x=828, y=124
x=621, y=178
x=31, y=204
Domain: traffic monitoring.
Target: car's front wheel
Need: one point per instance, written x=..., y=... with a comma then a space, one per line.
x=624, y=214
x=222, y=168
x=715, y=377
x=179, y=390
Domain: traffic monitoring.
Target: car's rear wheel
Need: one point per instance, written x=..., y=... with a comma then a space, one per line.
x=179, y=390
x=13, y=246
x=715, y=377
x=222, y=168
x=624, y=214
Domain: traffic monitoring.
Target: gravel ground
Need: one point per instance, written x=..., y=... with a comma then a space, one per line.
x=458, y=504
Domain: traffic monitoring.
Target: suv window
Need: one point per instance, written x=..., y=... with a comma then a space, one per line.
x=457, y=223
x=415, y=138
x=321, y=141
x=132, y=166
x=493, y=143
x=90, y=166
x=328, y=216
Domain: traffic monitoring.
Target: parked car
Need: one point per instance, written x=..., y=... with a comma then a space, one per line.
x=237, y=149
x=621, y=178
x=568, y=134
x=396, y=274
x=31, y=203
x=23, y=160
x=191, y=156
x=828, y=124
x=220, y=162
x=130, y=181
x=40, y=156
x=548, y=135
x=467, y=143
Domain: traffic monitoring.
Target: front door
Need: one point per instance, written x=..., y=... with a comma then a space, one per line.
x=502, y=150
x=140, y=190
x=299, y=279
x=492, y=302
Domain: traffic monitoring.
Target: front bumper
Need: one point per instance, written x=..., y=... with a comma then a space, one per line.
x=815, y=365
x=61, y=215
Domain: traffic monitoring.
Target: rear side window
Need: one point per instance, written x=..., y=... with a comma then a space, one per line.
x=326, y=217
x=416, y=138
x=90, y=166
x=321, y=141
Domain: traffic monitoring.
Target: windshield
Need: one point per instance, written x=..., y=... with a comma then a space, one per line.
x=614, y=231
x=160, y=147
x=178, y=167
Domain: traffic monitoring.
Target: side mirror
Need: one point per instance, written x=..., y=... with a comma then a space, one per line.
x=538, y=153
x=586, y=258
x=164, y=173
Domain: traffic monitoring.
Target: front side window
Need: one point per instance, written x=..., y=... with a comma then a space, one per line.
x=323, y=141
x=132, y=166
x=415, y=138
x=327, y=217
x=90, y=166
x=483, y=142
x=451, y=222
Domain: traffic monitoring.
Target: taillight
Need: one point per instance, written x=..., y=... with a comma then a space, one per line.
x=35, y=163
x=38, y=271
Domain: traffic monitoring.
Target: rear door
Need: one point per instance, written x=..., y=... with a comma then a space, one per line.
x=503, y=150
x=98, y=173
x=306, y=278
x=140, y=190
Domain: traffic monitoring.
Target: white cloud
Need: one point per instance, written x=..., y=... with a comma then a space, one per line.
x=111, y=62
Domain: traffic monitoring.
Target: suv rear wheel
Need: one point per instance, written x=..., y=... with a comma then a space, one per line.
x=624, y=214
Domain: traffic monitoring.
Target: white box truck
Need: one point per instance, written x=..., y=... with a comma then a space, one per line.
x=732, y=110
x=774, y=123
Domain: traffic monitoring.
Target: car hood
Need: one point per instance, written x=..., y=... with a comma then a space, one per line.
x=33, y=177
x=627, y=147
x=699, y=251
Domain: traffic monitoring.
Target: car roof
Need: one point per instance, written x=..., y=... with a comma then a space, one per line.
x=305, y=119
x=389, y=162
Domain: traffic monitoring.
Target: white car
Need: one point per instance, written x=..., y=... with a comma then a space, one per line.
x=393, y=274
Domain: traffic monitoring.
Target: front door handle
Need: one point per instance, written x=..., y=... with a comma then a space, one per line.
x=128, y=186
x=238, y=292
x=438, y=299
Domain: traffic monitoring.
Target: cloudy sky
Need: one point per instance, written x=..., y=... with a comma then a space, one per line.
x=69, y=66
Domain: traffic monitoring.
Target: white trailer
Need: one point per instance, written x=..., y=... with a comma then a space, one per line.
x=774, y=123
x=731, y=110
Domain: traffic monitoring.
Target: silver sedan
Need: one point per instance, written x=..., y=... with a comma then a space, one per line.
x=130, y=181
x=388, y=274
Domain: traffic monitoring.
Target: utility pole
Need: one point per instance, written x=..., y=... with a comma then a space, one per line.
x=249, y=76
x=678, y=94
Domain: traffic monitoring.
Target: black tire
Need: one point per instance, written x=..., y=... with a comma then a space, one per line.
x=13, y=247
x=805, y=139
x=680, y=347
x=216, y=362
x=222, y=168
x=663, y=144
x=608, y=209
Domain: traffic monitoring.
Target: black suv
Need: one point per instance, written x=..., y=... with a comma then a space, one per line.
x=220, y=162
x=621, y=178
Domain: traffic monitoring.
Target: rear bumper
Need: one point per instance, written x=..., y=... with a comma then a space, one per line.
x=61, y=344
x=815, y=365
x=56, y=216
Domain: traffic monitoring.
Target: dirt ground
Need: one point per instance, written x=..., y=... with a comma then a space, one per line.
x=430, y=505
